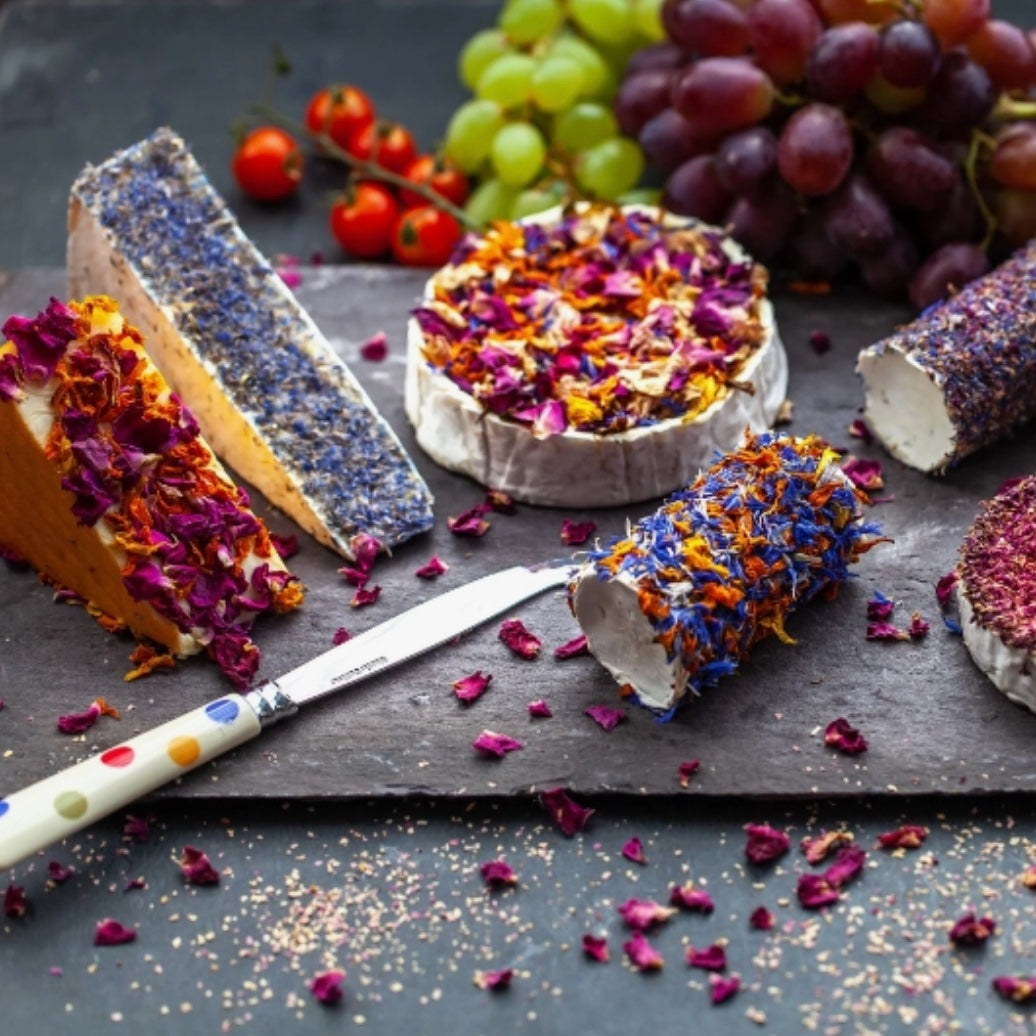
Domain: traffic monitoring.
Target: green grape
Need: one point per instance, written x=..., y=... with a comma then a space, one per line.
x=606, y=21
x=584, y=125
x=647, y=17
x=526, y=21
x=611, y=168
x=599, y=81
x=641, y=196
x=537, y=199
x=556, y=83
x=479, y=53
x=507, y=79
x=470, y=132
x=518, y=152
x=490, y=200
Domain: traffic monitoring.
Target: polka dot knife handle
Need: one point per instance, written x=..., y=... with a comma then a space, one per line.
x=58, y=806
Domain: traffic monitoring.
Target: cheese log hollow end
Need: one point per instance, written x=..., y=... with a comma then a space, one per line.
x=680, y=600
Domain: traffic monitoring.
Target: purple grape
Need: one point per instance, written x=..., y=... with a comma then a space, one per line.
x=858, y=220
x=843, y=62
x=959, y=219
x=723, y=94
x=811, y=253
x=668, y=140
x=709, y=28
x=946, y=270
x=762, y=225
x=640, y=97
x=960, y=96
x=815, y=149
x=656, y=55
x=908, y=53
x=746, y=161
x=906, y=165
x=694, y=189
x=889, y=273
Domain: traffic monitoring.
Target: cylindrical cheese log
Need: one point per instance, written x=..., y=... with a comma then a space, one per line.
x=680, y=600
x=960, y=376
x=997, y=590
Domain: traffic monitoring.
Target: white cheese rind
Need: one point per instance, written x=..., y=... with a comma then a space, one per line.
x=580, y=469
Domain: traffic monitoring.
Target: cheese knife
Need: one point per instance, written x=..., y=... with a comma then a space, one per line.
x=57, y=806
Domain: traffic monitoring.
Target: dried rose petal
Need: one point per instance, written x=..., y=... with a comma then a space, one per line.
x=136, y=829
x=327, y=986
x=494, y=980
x=815, y=891
x=498, y=874
x=712, y=958
x=687, y=897
x=432, y=568
x=365, y=596
x=469, y=688
x=945, y=587
x=596, y=948
x=111, y=933
x=77, y=722
x=885, y=631
x=134, y=885
x=864, y=473
x=285, y=545
x=496, y=745
x=196, y=867
x=569, y=816
x=573, y=647
x=501, y=502
x=918, y=628
x=469, y=523
x=58, y=873
x=859, y=429
x=1017, y=990
x=722, y=988
x=605, y=716
x=880, y=606
x=523, y=643
x=765, y=843
x=841, y=735
x=633, y=850
x=643, y=914
x=1028, y=878
x=641, y=953
x=816, y=849
x=820, y=342
x=575, y=534
x=341, y=635
x=364, y=550
x=15, y=901
x=686, y=770
x=375, y=348
x=847, y=867
x=972, y=931
x=539, y=709
x=908, y=836
x=761, y=919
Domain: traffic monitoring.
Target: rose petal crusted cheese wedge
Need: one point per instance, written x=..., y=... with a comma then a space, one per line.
x=110, y=491
x=271, y=395
x=592, y=357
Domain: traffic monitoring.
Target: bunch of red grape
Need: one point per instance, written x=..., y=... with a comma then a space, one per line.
x=896, y=135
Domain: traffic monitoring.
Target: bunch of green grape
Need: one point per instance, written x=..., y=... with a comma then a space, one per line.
x=540, y=128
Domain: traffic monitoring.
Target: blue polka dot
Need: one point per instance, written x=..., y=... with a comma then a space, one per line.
x=222, y=711
x=4, y=807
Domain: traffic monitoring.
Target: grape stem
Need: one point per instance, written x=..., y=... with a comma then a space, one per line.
x=366, y=168
x=1011, y=108
x=978, y=141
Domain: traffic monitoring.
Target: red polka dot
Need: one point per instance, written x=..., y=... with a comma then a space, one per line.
x=122, y=755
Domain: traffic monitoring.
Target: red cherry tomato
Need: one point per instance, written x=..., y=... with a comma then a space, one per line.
x=425, y=236
x=268, y=164
x=363, y=220
x=340, y=112
x=445, y=179
x=388, y=144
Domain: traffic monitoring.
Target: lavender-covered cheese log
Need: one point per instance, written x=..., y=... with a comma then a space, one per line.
x=960, y=376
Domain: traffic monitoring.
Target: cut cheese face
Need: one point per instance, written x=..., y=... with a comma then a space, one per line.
x=110, y=492
x=271, y=395
x=573, y=466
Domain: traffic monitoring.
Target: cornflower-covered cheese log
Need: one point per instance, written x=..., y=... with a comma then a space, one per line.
x=592, y=357
x=271, y=395
x=110, y=491
x=996, y=590
x=960, y=376
x=680, y=600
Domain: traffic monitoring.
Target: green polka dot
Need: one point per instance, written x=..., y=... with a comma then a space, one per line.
x=71, y=805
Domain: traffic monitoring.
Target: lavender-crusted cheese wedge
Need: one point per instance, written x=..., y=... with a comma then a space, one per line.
x=960, y=376
x=680, y=600
x=270, y=394
x=996, y=589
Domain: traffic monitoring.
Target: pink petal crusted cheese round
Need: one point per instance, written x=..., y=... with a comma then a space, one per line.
x=997, y=590
x=593, y=356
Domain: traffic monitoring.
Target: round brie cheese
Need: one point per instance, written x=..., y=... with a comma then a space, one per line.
x=577, y=468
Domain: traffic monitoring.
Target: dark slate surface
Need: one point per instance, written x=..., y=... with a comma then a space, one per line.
x=934, y=723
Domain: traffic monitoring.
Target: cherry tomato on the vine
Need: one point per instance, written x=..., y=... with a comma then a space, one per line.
x=425, y=236
x=268, y=164
x=440, y=175
x=364, y=218
x=339, y=111
x=388, y=144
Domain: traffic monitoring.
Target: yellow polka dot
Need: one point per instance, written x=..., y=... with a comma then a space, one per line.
x=70, y=804
x=184, y=751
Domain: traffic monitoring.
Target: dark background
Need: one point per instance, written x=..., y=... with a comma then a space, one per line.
x=388, y=888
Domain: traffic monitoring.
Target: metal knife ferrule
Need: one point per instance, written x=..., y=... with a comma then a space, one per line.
x=270, y=703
